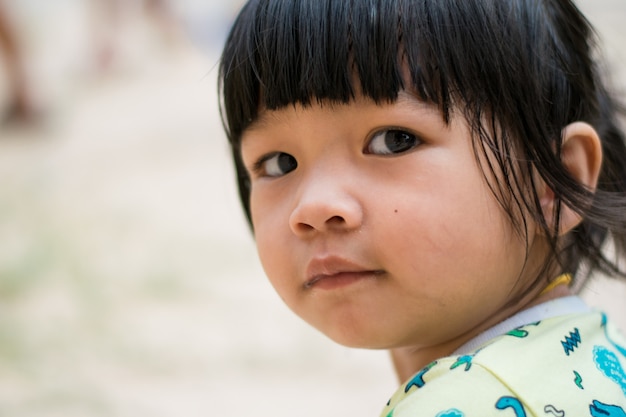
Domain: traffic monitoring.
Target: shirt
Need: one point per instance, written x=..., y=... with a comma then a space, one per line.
x=570, y=362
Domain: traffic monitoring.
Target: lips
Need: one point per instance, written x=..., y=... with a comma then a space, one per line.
x=332, y=272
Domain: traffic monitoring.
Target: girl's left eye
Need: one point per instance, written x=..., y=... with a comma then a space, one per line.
x=392, y=141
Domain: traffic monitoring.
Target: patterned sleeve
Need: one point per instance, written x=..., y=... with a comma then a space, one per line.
x=572, y=365
x=455, y=389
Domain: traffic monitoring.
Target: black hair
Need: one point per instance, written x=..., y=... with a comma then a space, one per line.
x=518, y=71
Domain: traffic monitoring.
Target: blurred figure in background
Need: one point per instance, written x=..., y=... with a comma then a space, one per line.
x=113, y=19
x=20, y=106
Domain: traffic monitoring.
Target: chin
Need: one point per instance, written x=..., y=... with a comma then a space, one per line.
x=360, y=340
x=357, y=331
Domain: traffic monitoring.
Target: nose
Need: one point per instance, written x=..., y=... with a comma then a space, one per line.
x=325, y=206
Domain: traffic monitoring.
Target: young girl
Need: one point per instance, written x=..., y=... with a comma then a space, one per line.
x=437, y=178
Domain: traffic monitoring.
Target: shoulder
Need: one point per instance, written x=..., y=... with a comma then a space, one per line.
x=574, y=364
x=450, y=387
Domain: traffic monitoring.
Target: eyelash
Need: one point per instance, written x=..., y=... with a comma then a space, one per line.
x=404, y=141
x=260, y=169
x=406, y=136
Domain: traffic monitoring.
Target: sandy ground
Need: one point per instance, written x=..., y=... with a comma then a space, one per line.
x=129, y=284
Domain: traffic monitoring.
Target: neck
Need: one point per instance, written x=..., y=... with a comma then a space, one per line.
x=410, y=359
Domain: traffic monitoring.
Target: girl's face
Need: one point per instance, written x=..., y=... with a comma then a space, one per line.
x=375, y=224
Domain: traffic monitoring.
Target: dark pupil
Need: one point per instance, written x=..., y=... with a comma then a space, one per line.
x=398, y=141
x=286, y=162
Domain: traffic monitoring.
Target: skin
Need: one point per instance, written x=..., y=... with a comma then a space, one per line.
x=405, y=251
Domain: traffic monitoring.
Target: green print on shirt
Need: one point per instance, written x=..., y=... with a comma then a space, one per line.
x=578, y=380
x=520, y=332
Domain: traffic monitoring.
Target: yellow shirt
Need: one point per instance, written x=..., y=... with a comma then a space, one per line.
x=572, y=365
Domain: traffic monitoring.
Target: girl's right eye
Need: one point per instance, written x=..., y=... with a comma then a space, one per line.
x=276, y=165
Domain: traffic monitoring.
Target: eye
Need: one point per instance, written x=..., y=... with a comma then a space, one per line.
x=392, y=141
x=276, y=165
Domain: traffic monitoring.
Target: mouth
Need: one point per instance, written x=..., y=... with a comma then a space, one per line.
x=339, y=280
x=330, y=273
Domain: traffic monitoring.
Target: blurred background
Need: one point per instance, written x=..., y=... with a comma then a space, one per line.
x=129, y=284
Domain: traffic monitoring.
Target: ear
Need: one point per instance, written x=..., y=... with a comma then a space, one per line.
x=581, y=154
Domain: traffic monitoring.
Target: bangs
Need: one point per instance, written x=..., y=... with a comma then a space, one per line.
x=297, y=52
